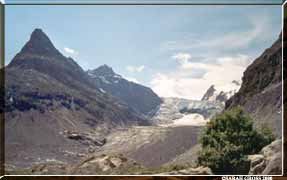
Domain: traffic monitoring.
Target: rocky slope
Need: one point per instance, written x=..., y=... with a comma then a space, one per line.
x=261, y=90
x=48, y=94
x=177, y=111
x=136, y=96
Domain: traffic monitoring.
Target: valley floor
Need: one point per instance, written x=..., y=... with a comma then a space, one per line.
x=153, y=146
x=147, y=146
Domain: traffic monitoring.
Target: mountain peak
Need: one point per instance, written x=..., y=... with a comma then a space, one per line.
x=237, y=83
x=40, y=54
x=209, y=93
x=104, y=66
x=212, y=87
x=103, y=70
x=38, y=32
x=39, y=43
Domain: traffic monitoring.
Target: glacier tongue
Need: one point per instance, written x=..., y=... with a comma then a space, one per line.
x=179, y=112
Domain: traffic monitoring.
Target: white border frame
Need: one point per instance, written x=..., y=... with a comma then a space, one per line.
x=159, y=175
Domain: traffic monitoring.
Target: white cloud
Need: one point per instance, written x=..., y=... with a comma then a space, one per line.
x=233, y=40
x=239, y=39
x=182, y=56
x=183, y=84
x=135, y=68
x=70, y=51
x=240, y=60
x=2, y=1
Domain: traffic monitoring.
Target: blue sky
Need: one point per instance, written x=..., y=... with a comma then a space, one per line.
x=176, y=50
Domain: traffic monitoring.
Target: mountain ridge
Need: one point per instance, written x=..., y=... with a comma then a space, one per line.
x=136, y=96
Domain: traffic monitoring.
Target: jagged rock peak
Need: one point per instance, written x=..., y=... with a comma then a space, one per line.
x=221, y=93
x=209, y=93
x=103, y=70
x=236, y=82
x=39, y=33
x=39, y=43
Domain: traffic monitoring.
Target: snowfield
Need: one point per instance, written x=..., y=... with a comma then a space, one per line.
x=191, y=120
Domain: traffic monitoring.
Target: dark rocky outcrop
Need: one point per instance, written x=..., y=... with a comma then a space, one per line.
x=85, y=139
x=209, y=93
x=136, y=96
x=261, y=91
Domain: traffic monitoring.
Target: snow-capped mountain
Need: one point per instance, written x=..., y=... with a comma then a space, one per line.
x=177, y=111
x=221, y=93
x=136, y=96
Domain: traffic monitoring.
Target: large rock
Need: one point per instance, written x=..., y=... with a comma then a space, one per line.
x=269, y=161
x=104, y=164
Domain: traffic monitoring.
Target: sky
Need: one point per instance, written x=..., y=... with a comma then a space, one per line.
x=178, y=51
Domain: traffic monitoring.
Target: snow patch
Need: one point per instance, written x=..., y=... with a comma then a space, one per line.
x=117, y=76
x=104, y=80
x=103, y=91
x=91, y=74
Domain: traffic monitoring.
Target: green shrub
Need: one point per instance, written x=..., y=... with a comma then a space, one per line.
x=227, y=141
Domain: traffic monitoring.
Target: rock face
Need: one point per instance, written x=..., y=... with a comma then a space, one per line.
x=177, y=111
x=221, y=94
x=46, y=94
x=209, y=95
x=269, y=161
x=136, y=96
x=261, y=91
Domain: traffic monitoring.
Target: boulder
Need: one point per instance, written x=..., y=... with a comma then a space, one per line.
x=104, y=164
x=85, y=139
x=268, y=161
